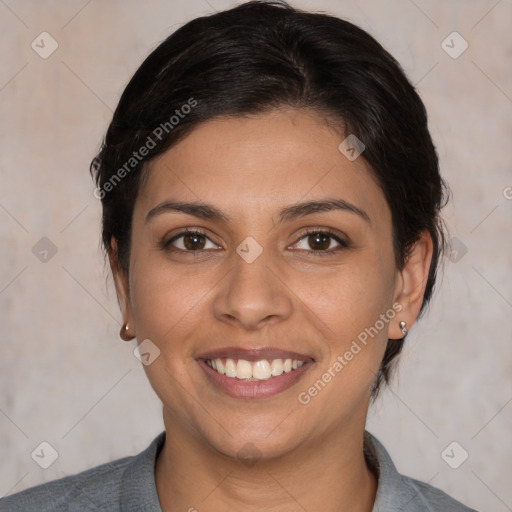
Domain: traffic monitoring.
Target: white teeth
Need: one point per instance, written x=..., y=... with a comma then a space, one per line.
x=277, y=367
x=243, y=369
x=220, y=366
x=230, y=368
x=259, y=370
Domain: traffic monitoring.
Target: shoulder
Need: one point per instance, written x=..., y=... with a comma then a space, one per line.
x=103, y=487
x=398, y=492
x=96, y=487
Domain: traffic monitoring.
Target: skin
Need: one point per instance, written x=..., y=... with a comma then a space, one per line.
x=309, y=456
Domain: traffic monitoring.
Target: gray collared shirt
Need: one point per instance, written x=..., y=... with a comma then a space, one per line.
x=128, y=485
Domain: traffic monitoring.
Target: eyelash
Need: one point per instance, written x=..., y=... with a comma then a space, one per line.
x=166, y=245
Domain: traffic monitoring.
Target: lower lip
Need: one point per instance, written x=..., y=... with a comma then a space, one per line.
x=254, y=389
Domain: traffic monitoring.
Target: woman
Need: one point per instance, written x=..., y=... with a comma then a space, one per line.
x=271, y=213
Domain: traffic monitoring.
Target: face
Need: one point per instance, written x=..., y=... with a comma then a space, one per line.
x=255, y=277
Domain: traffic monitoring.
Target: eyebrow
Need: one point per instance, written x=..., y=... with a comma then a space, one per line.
x=209, y=212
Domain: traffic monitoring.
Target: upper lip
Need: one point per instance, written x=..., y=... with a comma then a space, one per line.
x=253, y=354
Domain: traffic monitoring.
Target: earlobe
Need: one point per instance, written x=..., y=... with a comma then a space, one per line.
x=122, y=292
x=412, y=283
x=124, y=333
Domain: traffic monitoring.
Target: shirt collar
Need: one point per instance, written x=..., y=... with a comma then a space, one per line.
x=395, y=493
x=138, y=489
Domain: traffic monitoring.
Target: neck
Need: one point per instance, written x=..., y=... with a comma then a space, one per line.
x=330, y=475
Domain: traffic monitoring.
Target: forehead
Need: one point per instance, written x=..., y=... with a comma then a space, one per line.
x=255, y=165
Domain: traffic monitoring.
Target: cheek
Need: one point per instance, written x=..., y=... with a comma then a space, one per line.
x=166, y=301
x=351, y=297
x=356, y=341
x=355, y=303
x=168, y=308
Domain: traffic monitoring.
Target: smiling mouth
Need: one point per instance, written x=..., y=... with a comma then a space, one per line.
x=261, y=370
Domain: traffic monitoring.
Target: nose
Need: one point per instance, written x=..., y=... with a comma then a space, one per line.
x=252, y=295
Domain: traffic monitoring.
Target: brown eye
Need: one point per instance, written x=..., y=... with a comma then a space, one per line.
x=194, y=241
x=190, y=241
x=319, y=241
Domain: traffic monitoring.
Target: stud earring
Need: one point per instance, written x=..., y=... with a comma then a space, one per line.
x=404, y=329
x=123, y=333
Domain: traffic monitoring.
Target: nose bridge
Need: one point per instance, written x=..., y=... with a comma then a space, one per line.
x=252, y=294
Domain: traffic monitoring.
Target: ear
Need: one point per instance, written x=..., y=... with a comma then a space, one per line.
x=121, y=284
x=411, y=284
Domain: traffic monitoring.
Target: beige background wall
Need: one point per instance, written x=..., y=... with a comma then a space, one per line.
x=65, y=376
